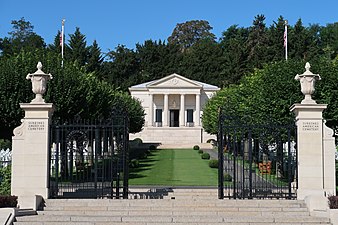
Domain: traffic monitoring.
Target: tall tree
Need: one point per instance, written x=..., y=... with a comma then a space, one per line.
x=257, y=42
x=77, y=50
x=234, y=54
x=188, y=33
x=95, y=59
x=21, y=37
x=123, y=69
x=55, y=46
x=203, y=62
x=276, y=50
x=329, y=40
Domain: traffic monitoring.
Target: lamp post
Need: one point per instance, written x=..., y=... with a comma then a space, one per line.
x=39, y=83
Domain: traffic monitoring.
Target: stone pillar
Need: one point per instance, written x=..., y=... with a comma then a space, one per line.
x=165, y=110
x=30, y=147
x=329, y=149
x=198, y=110
x=309, y=123
x=182, y=110
x=151, y=111
x=315, y=146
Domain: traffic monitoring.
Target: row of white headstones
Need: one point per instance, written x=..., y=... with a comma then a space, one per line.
x=5, y=157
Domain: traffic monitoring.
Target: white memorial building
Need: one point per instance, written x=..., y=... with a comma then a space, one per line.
x=173, y=106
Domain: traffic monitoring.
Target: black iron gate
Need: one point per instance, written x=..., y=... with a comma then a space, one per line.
x=256, y=161
x=89, y=159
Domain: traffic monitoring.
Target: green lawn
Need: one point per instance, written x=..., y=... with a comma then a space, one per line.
x=174, y=167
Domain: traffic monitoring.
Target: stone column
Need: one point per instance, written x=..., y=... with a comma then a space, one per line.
x=30, y=147
x=314, y=168
x=165, y=110
x=182, y=110
x=198, y=110
x=151, y=111
x=309, y=123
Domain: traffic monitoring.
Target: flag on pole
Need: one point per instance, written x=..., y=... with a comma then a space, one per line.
x=286, y=39
x=62, y=39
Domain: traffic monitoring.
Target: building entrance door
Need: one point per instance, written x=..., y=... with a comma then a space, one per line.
x=174, y=118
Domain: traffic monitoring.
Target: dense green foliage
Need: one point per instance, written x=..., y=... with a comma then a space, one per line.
x=72, y=90
x=266, y=95
x=213, y=163
x=244, y=61
x=205, y=155
x=5, y=180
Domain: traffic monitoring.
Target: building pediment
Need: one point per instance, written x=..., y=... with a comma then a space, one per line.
x=174, y=81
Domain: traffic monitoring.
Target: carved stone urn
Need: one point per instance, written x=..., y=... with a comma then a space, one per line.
x=39, y=83
x=307, y=82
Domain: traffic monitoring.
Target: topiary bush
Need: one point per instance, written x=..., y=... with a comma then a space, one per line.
x=200, y=151
x=213, y=163
x=333, y=202
x=205, y=155
x=196, y=147
x=134, y=163
x=152, y=147
x=138, y=141
x=8, y=201
x=227, y=177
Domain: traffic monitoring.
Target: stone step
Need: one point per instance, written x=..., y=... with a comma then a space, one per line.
x=216, y=205
x=171, y=218
x=187, y=211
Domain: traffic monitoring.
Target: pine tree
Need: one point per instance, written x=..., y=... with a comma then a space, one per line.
x=77, y=50
x=95, y=59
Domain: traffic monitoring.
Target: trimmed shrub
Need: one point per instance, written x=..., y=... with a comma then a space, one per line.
x=200, y=151
x=227, y=177
x=205, y=155
x=152, y=147
x=213, y=163
x=333, y=202
x=138, y=141
x=5, y=144
x=8, y=201
x=134, y=163
x=144, y=156
x=196, y=147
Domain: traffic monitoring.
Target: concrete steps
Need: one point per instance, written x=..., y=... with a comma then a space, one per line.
x=192, y=207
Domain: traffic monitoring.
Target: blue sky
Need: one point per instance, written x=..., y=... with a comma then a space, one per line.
x=128, y=22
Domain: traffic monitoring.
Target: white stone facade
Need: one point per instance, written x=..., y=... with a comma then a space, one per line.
x=173, y=106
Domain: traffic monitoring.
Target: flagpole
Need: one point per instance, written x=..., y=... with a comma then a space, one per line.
x=62, y=39
x=286, y=39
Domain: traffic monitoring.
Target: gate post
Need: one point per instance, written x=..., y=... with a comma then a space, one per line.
x=315, y=169
x=30, y=153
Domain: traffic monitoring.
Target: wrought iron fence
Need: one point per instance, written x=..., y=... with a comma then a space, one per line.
x=257, y=161
x=89, y=159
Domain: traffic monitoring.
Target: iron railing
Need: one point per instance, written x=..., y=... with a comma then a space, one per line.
x=89, y=159
x=257, y=161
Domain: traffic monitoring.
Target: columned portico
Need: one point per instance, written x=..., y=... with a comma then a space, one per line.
x=174, y=106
